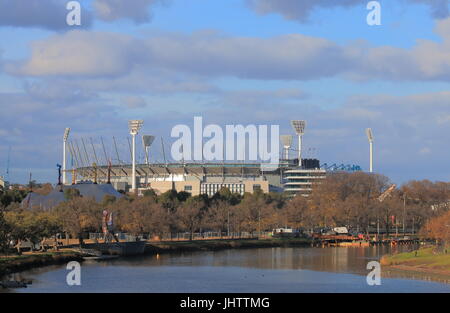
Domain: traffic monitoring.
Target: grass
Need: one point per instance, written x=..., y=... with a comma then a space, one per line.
x=423, y=259
x=16, y=263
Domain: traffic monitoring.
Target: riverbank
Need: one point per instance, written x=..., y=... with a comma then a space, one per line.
x=17, y=263
x=215, y=245
x=423, y=261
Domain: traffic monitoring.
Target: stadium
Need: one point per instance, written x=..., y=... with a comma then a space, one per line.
x=290, y=175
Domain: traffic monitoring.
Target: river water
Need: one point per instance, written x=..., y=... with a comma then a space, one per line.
x=237, y=271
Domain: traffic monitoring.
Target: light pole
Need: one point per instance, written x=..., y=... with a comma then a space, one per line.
x=134, y=126
x=286, y=140
x=370, y=138
x=228, y=224
x=259, y=223
x=299, y=128
x=404, y=212
x=147, y=141
x=66, y=136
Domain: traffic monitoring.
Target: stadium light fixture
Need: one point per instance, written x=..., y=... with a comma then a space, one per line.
x=299, y=128
x=66, y=136
x=286, y=140
x=370, y=138
x=147, y=141
x=134, y=126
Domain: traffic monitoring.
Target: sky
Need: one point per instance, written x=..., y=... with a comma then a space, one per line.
x=262, y=62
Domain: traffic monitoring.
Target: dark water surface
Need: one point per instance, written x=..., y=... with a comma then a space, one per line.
x=246, y=270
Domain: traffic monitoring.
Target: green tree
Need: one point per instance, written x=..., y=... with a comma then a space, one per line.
x=5, y=229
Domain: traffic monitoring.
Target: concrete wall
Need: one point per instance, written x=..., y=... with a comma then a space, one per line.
x=163, y=186
x=193, y=187
x=264, y=185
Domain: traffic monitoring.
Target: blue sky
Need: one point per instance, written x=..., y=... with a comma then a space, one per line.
x=230, y=61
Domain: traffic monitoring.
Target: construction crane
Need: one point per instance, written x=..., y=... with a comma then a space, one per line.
x=387, y=192
x=381, y=198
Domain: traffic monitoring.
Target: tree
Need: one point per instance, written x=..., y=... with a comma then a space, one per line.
x=254, y=212
x=12, y=196
x=438, y=228
x=190, y=214
x=45, y=189
x=297, y=213
x=217, y=216
x=136, y=217
x=108, y=200
x=348, y=198
x=226, y=195
x=78, y=215
x=5, y=229
x=31, y=225
x=150, y=193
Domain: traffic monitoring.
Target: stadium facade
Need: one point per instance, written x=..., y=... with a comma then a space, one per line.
x=208, y=178
x=286, y=175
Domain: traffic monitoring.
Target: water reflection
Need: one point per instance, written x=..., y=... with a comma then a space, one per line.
x=238, y=270
x=332, y=259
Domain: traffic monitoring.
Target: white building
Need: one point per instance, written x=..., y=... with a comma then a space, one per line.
x=302, y=181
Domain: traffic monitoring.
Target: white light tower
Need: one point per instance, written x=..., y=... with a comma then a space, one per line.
x=299, y=128
x=134, y=126
x=286, y=140
x=66, y=135
x=370, y=138
x=147, y=141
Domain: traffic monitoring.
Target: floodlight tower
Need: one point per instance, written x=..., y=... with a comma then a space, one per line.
x=147, y=141
x=370, y=138
x=66, y=136
x=134, y=126
x=286, y=140
x=299, y=128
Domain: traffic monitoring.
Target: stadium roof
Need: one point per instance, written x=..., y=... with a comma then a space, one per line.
x=178, y=169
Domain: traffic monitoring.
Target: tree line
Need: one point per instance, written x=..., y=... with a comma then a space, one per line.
x=342, y=199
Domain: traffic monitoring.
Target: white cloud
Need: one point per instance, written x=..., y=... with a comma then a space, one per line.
x=135, y=10
x=295, y=9
x=212, y=54
x=301, y=9
x=134, y=102
x=80, y=53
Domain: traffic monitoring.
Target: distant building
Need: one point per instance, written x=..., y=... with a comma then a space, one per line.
x=302, y=181
x=196, y=179
x=55, y=197
x=209, y=178
x=2, y=183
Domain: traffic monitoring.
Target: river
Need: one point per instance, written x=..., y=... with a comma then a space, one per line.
x=236, y=271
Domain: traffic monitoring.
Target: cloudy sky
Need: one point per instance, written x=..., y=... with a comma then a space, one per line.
x=230, y=61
